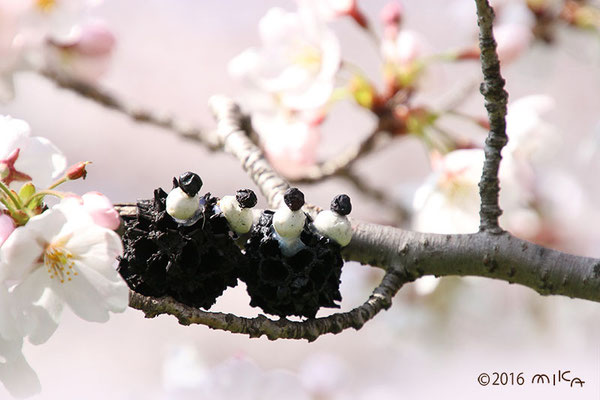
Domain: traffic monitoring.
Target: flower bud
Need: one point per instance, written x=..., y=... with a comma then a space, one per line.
x=77, y=171
x=85, y=54
x=391, y=14
x=26, y=191
x=362, y=91
x=100, y=208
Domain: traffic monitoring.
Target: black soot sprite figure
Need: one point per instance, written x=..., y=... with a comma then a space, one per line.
x=180, y=245
x=293, y=266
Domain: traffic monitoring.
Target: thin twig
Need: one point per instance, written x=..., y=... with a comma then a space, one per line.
x=111, y=101
x=381, y=196
x=496, y=98
x=310, y=329
x=342, y=161
x=454, y=100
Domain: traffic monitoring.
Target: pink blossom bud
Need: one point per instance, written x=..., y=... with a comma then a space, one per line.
x=101, y=210
x=7, y=226
x=95, y=40
x=513, y=40
x=391, y=13
x=77, y=171
x=85, y=55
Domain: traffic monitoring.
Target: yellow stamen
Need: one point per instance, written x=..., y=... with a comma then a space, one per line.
x=45, y=5
x=56, y=257
x=307, y=56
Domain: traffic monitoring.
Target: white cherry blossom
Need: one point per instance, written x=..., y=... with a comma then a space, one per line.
x=62, y=256
x=37, y=157
x=297, y=62
x=531, y=137
x=290, y=143
x=449, y=200
x=403, y=48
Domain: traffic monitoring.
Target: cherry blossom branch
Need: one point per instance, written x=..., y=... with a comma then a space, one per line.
x=500, y=256
x=496, y=98
x=111, y=101
x=403, y=254
x=310, y=329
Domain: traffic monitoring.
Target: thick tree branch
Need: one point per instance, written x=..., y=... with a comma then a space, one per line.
x=109, y=100
x=498, y=256
x=403, y=254
x=496, y=98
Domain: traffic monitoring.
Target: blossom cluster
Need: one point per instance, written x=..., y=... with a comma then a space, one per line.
x=50, y=256
x=55, y=35
x=299, y=72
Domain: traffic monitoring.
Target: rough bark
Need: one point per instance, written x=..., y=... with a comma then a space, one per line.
x=495, y=98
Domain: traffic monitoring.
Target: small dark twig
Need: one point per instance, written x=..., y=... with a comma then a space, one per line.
x=109, y=100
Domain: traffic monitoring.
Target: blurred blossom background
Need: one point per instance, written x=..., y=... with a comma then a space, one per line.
x=439, y=335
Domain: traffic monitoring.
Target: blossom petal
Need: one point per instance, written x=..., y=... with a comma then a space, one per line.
x=41, y=160
x=8, y=326
x=41, y=308
x=15, y=373
x=15, y=135
x=91, y=295
x=20, y=254
x=101, y=210
x=22, y=250
x=98, y=249
x=43, y=317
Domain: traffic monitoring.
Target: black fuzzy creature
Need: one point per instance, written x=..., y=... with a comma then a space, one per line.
x=193, y=264
x=298, y=285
